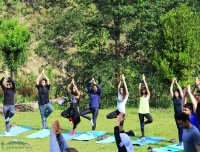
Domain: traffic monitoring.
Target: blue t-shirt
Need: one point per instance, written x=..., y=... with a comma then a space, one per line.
x=177, y=105
x=94, y=96
x=191, y=138
x=194, y=121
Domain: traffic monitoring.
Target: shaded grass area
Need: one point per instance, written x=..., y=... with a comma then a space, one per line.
x=163, y=126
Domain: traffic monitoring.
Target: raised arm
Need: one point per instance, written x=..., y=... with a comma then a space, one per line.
x=48, y=82
x=1, y=81
x=179, y=88
x=171, y=88
x=193, y=100
x=120, y=82
x=38, y=79
x=145, y=83
x=117, y=130
x=77, y=91
x=125, y=85
x=184, y=99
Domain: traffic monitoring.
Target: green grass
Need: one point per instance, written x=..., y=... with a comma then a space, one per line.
x=163, y=126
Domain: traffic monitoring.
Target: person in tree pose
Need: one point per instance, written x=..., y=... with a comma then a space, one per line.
x=95, y=92
x=177, y=96
x=8, y=102
x=43, y=86
x=72, y=112
x=144, y=106
x=121, y=100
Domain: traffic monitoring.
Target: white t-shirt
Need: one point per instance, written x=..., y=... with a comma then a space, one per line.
x=121, y=103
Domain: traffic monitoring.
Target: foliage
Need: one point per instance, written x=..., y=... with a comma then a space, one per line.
x=178, y=45
x=13, y=44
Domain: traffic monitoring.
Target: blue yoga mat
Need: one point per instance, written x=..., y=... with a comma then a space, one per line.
x=172, y=148
x=68, y=137
x=14, y=131
x=90, y=135
x=40, y=134
x=149, y=140
x=108, y=140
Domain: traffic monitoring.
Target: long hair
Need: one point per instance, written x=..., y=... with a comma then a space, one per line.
x=124, y=92
x=177, y=90
x=141, y=92
x=72, y=92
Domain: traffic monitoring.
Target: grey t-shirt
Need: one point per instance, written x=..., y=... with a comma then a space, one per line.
x=191, y=137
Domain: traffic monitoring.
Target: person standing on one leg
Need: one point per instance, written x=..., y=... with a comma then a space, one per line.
x=72, y=112
x=191, y=135
x=95, y=92
x=121, y=100
x=8, y=102
x=45, y=107
x=177, y=96
x=144, y=106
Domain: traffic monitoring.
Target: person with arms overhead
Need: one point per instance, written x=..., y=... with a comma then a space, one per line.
x=144, y=106
x=8, y=101
x=43, y=86
x=121, y=100
x=72, y=112
x=95, y=92
x=177, y=96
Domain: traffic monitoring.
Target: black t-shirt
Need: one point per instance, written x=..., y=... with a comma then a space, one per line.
x=43, y=94
x=74, y=101
x=9, y=93
x=177, y=105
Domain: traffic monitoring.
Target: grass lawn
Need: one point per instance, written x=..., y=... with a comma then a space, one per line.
x=163, y=126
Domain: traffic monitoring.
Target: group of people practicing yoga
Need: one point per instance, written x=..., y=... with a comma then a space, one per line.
x=179, y=98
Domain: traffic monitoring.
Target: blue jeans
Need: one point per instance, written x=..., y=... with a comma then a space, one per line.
x=45, y=111
x=8, y=111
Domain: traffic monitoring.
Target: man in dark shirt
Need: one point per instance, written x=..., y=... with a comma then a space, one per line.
x=122, y=140
x=45, y=107
x=8, y=102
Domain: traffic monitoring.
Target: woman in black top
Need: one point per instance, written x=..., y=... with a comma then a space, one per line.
x=72, y=112
x=8, y=102
x=43, y=87
x=177, y=96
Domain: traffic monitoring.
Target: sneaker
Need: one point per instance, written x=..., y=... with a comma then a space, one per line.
x=92, y=122
x=142, y=139
x=7, y=119
x=7, y=134
x=179, y=144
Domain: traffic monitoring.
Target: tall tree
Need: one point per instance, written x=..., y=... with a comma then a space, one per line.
x=14, y=40
x=178, y=45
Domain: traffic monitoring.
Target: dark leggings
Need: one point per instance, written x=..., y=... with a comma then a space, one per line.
x=94, y=112
x=180, y=130
x=114, y=114
x=73, y=115
x=149, y=120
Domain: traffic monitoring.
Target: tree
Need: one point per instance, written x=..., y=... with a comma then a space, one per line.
x=178, y=45
x=14, y=40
